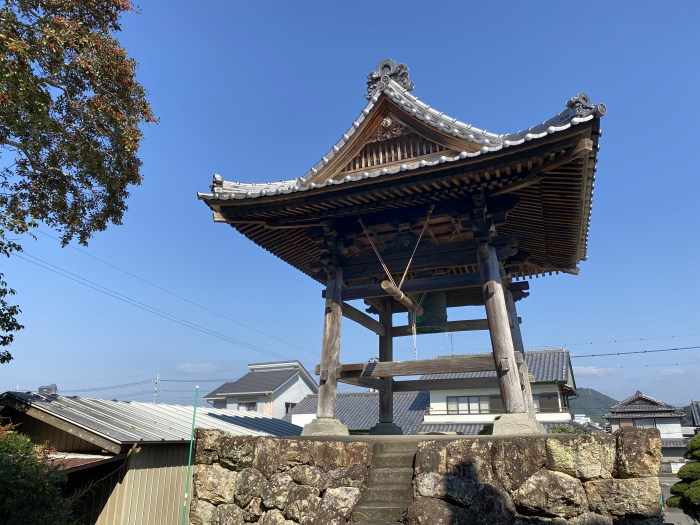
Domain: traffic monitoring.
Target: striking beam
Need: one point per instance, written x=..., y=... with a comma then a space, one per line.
x=401, y=297
x=428, y=284
x=363, y=319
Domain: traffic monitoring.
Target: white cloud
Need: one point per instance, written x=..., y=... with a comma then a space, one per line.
x=672, y=372
x=197, y=368
x=593, y=371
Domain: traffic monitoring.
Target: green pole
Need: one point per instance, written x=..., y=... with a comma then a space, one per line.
x=189, y=458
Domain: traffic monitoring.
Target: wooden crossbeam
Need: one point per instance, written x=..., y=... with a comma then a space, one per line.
x=427, y=257
x=442, y=365
x=363, y=319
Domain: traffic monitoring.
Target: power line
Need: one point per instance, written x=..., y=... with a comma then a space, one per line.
x=133, y=302
x=177, y=295
x=639, y=352
x=111, y=387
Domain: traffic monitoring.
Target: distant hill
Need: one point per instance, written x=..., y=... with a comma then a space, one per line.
x=592, y=403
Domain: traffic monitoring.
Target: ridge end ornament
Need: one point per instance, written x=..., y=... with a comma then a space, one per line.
x=581, y=105
x=387, y=70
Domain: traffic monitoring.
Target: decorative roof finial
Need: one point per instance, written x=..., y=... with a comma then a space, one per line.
x=581, y=104
x=378, y=80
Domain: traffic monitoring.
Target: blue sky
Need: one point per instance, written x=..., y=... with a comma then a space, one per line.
x=259, y=91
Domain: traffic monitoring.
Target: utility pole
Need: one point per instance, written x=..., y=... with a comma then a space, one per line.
x=155, y=388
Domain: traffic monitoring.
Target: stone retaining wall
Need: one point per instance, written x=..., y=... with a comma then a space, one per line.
x=553, y=479
x=273, y=481
x=597, y=479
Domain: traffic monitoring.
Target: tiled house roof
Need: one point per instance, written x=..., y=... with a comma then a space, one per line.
x=695, y=407
x=639, y=406
x=254, y=382
x=263, y=378
x=360, y=411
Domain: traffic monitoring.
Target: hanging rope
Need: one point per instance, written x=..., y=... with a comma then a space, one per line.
x=405, y=273
x=376, y=251
x=425, y=226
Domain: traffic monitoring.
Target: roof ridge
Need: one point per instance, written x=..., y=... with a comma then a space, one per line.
x=390, y=80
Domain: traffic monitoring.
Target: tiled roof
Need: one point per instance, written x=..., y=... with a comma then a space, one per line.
x=473, y=429
x=649, y=407
x=254, y=382
x=673, y=442
x=579, y=110
x=647, y=412
x=360, y=411
x=695, y=408
x=546, y=365
x=126, y=422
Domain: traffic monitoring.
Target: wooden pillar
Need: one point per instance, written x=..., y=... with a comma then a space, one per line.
x=330, y=350
x=519, y=347
x=499, y=330
x=386, y=353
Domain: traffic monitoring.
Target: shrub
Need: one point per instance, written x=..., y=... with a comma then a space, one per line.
x=687, y=492
x=690, y=472
x=487, y=430
x=30, y=487
x=693, y=448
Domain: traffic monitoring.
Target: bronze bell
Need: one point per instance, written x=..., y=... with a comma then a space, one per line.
x=434, y=318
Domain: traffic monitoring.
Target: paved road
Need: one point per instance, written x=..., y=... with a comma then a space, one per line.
x=672, y=516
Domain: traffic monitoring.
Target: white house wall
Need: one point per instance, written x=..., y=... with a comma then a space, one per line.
x=291, y=392
x=232, y=402
x=438, y=406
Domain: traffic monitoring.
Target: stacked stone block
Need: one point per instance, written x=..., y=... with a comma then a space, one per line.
x=596, y=479
x=272, y=481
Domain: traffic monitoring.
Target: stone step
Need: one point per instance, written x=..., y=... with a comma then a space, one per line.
x=393, y=460
x=390, y=475
x=396, y=446
x=389, y=492
x=378, y=511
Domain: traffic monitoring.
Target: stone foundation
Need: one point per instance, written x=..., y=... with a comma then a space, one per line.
x=273, y=481
x=553, y=479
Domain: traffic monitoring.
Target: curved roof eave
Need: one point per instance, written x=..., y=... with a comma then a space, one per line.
x=579, y=110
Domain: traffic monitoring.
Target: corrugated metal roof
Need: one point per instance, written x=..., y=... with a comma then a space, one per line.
x=360, y=411
x=254, y=382
x=127, y=422
x=695, y=408
x=546, y=365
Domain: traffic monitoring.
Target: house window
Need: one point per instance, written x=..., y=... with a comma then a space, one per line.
x=467, y=404
x=288, y=407
x=549, y=402
x=248, y=406
x=644, y=423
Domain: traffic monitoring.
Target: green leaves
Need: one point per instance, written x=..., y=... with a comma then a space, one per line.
x=687, y=492
x=30, y=491
x=70, y=116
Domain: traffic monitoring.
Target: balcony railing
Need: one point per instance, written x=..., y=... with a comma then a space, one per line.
x=457, y=412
